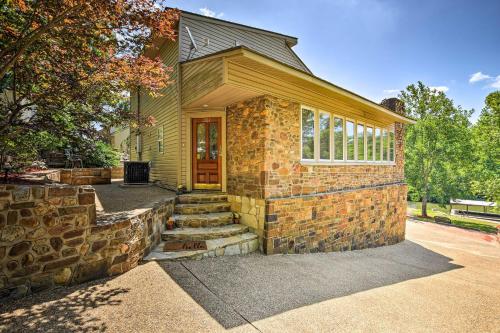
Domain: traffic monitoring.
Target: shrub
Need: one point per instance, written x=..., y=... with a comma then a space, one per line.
x=101, y=156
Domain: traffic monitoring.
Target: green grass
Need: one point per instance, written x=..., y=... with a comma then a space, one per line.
x=415, y=211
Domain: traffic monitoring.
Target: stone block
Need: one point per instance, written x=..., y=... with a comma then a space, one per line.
x=61, y=263
x=21, y=205
x=21, y=194
x=91, y=271
x=74, y=242
x=86, y=198
x=232, y=250
x=11, y=233
x=73, y=233
x=12, y=217
x=63, y=276
x=19, y=248
x=72, y=210
x=97, y=245
x=29, y=222
x=62, y=191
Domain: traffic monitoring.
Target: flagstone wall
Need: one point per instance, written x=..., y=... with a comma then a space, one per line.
x=275, y=192
x=50, y=235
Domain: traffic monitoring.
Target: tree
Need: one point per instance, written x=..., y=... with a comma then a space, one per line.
x=65, y=64
x=438, y=146
x=486, y=140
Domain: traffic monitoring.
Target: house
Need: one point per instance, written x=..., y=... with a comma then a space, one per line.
x=119, y=139
x=309, y=166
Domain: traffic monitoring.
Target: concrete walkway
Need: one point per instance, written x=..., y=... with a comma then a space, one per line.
x=440, y=279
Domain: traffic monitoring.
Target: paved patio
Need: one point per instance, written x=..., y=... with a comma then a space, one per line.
x=114, y=198
x=440, y=279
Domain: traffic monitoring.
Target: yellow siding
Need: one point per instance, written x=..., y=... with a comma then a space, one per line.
x=165, y=109
x=200, y=78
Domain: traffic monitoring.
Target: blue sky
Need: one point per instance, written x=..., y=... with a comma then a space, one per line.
x=376, y=48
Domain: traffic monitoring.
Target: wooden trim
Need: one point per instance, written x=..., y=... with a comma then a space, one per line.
x=189, y=115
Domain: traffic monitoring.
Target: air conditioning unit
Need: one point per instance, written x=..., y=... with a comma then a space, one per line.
x=136, y=172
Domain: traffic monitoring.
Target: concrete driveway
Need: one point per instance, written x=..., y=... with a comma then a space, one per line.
x=440, y=279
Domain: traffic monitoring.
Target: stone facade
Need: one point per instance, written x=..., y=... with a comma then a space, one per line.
x=338, y=221
x=50, y=235
x=263, y=163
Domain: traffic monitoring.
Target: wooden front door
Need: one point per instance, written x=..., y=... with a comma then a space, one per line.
x=207, y=163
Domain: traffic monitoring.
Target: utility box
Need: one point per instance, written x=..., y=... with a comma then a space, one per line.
x=136, y=172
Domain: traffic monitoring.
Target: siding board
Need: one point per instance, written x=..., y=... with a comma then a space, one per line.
x=165, y=109
x=222, y=37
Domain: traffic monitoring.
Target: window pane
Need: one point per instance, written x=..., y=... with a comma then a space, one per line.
x=349, y=127
x=214, y=147
x=369, y=143
x=324, y=133
x=338, y=138
x=361, y=142
x=385, y=145
x=378, y=141
x=307, y=134
x=201, y=147
x=391, y=149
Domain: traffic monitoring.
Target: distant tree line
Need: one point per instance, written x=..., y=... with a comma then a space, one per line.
x=446, y=155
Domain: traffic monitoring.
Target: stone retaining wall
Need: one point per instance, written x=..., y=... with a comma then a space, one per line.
x=49, y=235
x=85, y=176
x=338, y=221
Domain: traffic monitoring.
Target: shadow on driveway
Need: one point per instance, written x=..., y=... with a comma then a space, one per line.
x=239, y=290
x=63, y=309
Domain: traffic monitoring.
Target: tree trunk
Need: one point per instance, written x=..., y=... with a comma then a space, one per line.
x=424, y=206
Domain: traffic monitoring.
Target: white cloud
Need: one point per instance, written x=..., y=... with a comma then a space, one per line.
x=496, y=83
x=210, y=13
x=440, y=88
x=476, y=77
x=391, y=91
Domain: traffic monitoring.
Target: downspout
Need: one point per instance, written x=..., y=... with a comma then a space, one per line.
x=138, y=140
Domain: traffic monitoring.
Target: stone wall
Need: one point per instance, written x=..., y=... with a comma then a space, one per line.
x=117, y=172
x=263, y=163
x=337, y=221
x=49, y=235
x=85, y=176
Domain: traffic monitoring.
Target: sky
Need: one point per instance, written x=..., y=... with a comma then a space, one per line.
x=376, y=47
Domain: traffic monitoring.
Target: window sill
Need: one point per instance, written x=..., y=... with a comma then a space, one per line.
x=305, y=162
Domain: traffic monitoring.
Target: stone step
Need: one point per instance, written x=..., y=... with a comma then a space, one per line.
x=202, y=208
x=194, y=198
x=234, y=245
x=204, y=233
x=203, y=220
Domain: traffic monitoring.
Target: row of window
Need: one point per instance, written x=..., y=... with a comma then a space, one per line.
x=331, y=138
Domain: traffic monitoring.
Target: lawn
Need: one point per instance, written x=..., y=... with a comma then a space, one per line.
x=414, y=210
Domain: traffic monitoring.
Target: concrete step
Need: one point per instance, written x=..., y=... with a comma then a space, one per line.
x=234, y=245
x=204, y=233
x=202, y=208
x=194, y=198
x=203, y=220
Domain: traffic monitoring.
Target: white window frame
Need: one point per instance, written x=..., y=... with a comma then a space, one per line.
x=330, y=139
x=393, y=141
x=372, y=159
x=364, y=141
x=345, y=140
x=160, y=140
x=317, y=160
x=314, y=137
